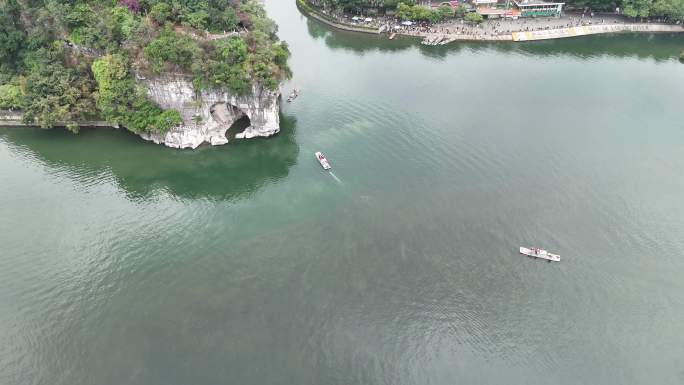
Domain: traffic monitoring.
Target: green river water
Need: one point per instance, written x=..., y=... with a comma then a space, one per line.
x=123, y=262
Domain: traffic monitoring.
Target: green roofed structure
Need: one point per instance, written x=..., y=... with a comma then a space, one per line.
x=534, y=8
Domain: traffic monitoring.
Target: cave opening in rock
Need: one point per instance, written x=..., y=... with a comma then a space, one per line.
x=231, y=118
x=238, y=127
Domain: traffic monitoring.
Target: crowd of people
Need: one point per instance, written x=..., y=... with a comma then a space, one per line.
x=497, y=27
x=487, y=30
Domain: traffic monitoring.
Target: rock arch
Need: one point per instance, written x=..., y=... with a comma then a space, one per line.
x=225, y=115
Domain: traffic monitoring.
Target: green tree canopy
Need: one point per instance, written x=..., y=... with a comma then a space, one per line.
x=12, y=34
x=119, y=100
x=671, y=9
x=10, y=96
x=473, y=17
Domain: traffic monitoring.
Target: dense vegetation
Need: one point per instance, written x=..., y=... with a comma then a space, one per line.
x=404, y=9
x=357, y=5
x=670, y=9
x=421, y=13
x=62, y=61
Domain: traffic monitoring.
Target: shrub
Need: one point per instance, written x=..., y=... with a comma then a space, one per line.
x=171, y=47
x=160, y=12
x=460, y=10
x=10, y=96
x=473, y=17
x=132, y=5
x=119, y=101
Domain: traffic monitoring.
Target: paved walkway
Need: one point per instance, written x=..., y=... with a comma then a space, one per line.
x=491, y=28
x=521, y=29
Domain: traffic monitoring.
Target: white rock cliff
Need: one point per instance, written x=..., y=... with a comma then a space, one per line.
x=207, y=116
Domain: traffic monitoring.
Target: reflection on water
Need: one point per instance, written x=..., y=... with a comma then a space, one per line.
x=141, y=168
x=660, y=47
x=356, y=42
x=407, y=272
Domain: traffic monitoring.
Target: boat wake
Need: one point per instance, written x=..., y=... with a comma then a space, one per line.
x=335, y=177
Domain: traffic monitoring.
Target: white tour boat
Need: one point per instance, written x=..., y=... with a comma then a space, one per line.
x=322, y=160
x=540, y=253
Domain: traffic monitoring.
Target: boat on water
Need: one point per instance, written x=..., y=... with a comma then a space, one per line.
x=322, y=160
x=392, y=35
x=540, y=253
x=293, y=95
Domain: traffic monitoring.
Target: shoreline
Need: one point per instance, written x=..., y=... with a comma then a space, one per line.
x=84, y=123
x=309, y=11
x=440, y=38
x=14, y=119
x=549, y=34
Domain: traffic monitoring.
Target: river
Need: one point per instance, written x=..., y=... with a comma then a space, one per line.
x=123, y=262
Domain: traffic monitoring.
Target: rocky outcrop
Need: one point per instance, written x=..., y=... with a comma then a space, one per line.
x=207, y=116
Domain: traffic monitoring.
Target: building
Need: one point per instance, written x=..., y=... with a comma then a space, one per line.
x=533, y=8
x=485, y=3
x=513, y=9
x=494, y=9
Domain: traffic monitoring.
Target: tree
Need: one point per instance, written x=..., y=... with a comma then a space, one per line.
x=423, y=13
x=473, y=17
x=224, y=20
x=394, y=3
x=119, y=101
x=636, y=8
x=113, y=88
x=120, y=24
x=673, y=9
x=11, y=33
x=197, y=20
x=232, y=50
x=160, y=12
x=603, y=5
x=80, y=15
x=460, y=10
x=171, y=47
x=351, y=5
x=132, y=5
x=10, y=96
x=55, y=93
x=404, y=11
x=444, y=12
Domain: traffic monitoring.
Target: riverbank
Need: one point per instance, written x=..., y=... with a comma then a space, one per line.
x=435, y=38
x=14, y=119
x=595, y=29
x=307, y=10
x=494, y=30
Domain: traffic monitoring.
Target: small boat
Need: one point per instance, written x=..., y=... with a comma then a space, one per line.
x=392, y=35
x=293, y=95
x=540, y=253
x=322, y=160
